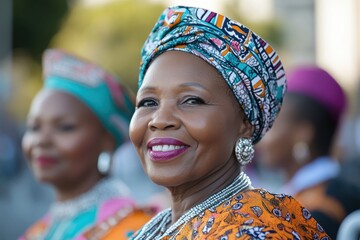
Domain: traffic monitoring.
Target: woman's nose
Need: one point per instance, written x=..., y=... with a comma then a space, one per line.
x=43, y=137
x=165, y=117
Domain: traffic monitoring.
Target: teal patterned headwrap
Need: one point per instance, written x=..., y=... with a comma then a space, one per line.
x=111, y=102
x=248, y=64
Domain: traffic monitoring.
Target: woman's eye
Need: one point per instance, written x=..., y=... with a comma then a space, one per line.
x=32, y=128
x=66, y=127
x=194, y=100
x=147, y=103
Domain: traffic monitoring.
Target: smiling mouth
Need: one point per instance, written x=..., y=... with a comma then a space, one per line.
x=164, y=153
x=165, y=148
x=45, y=161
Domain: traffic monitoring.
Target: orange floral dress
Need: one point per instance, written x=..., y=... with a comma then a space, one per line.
x=252, y=214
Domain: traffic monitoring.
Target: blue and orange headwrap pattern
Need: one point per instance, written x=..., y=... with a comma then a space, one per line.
x=100, y=91
x=249, y=65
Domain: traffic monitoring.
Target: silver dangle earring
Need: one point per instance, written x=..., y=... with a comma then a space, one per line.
x=244, y=151
x=104, y=163
x=301, y=152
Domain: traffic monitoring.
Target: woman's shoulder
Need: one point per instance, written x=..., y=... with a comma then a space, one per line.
x=120, y=224
x=117, y=215
x=118, y=218
x=275, y=204
x=274, y=208
x=259, y=214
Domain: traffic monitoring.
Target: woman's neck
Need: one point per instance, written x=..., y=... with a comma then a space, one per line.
x=67, y=191
x=293, y=167
x=190, y=194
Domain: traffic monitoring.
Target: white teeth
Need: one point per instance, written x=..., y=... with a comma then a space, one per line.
x=165, y=148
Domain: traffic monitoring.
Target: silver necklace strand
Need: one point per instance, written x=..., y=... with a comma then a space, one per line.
x=105, y=189
x=156, y=228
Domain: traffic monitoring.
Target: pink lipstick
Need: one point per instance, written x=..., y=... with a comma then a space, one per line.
x=165, y=149
x=45, y=161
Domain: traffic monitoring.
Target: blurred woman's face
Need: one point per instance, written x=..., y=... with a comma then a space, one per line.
x=187, y=120
x=62, y=141
x=275, y=149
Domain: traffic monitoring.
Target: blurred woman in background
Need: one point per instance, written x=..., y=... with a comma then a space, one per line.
x=302, y=143
x=74, y=125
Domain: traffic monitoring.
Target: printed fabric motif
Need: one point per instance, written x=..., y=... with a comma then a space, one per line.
x=250, y=66
x=254, y=214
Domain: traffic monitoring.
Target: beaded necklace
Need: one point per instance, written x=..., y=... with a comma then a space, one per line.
x=105, y=189
x=157, y=227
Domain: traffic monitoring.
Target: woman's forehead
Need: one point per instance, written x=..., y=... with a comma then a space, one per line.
x=187, y=68
x=54, y=102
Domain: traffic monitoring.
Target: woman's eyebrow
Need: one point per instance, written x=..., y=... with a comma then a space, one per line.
x=194, y=84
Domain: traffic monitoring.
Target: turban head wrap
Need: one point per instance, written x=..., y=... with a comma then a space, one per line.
x=248, y=64
x=100, y=91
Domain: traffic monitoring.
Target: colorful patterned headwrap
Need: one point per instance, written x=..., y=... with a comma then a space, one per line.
x=111, y=102
x=249, y=65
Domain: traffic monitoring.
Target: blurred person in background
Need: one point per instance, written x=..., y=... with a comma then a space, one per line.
x=74, y=125
x=301, y=144
x=17, y=182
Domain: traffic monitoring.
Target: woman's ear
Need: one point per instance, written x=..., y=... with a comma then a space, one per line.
x=246, y=129
x=108, y=142
x=304, y=132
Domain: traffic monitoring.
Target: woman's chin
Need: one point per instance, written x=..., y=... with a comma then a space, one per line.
x=167, y=180
x=43, y=177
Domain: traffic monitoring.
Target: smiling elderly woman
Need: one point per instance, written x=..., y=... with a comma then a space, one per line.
x=209, y=88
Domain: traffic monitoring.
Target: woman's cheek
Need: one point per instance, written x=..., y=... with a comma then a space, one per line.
x=135, y=130
x=26, y=146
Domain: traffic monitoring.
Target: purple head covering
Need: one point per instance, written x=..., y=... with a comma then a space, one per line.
x=319, y=85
